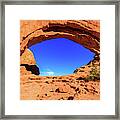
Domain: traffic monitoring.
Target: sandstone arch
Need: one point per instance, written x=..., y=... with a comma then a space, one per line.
x=84, y=32
x=35, y=87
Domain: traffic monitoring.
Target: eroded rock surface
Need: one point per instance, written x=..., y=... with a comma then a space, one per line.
x=58, y=88
x=84, y=32
x=27, y=58
x=83, y=84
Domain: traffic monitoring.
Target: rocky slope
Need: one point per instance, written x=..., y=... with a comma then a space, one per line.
x=58, y=88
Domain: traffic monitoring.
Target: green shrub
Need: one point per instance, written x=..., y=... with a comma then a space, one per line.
x=94, y=74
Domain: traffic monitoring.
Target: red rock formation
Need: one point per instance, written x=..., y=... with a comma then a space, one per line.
x=82, y=84
x=86, y=33
x=27, y=58
x=58, y=88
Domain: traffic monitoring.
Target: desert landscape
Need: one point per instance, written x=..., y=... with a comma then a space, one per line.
x=82, y=84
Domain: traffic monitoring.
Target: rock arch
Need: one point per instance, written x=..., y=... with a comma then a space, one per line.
x=35, y=87
x=84, y=32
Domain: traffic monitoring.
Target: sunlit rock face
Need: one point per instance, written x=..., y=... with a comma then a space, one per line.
x=27, y=58
x=84, y=32
x=83, y=83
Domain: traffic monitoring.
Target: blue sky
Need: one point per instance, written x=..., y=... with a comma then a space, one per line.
x=60, y=56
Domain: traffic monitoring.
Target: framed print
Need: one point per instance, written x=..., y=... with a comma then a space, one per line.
x=59, y=59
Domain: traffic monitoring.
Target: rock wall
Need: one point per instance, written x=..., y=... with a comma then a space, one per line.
x=27, y=58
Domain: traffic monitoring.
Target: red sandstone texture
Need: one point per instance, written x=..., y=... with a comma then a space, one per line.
x=83, y=84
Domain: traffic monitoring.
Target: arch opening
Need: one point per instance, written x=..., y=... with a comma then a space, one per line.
x=60, y=56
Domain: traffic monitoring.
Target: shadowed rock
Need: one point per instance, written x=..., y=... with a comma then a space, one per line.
x=70, y=98
x=33, y=68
